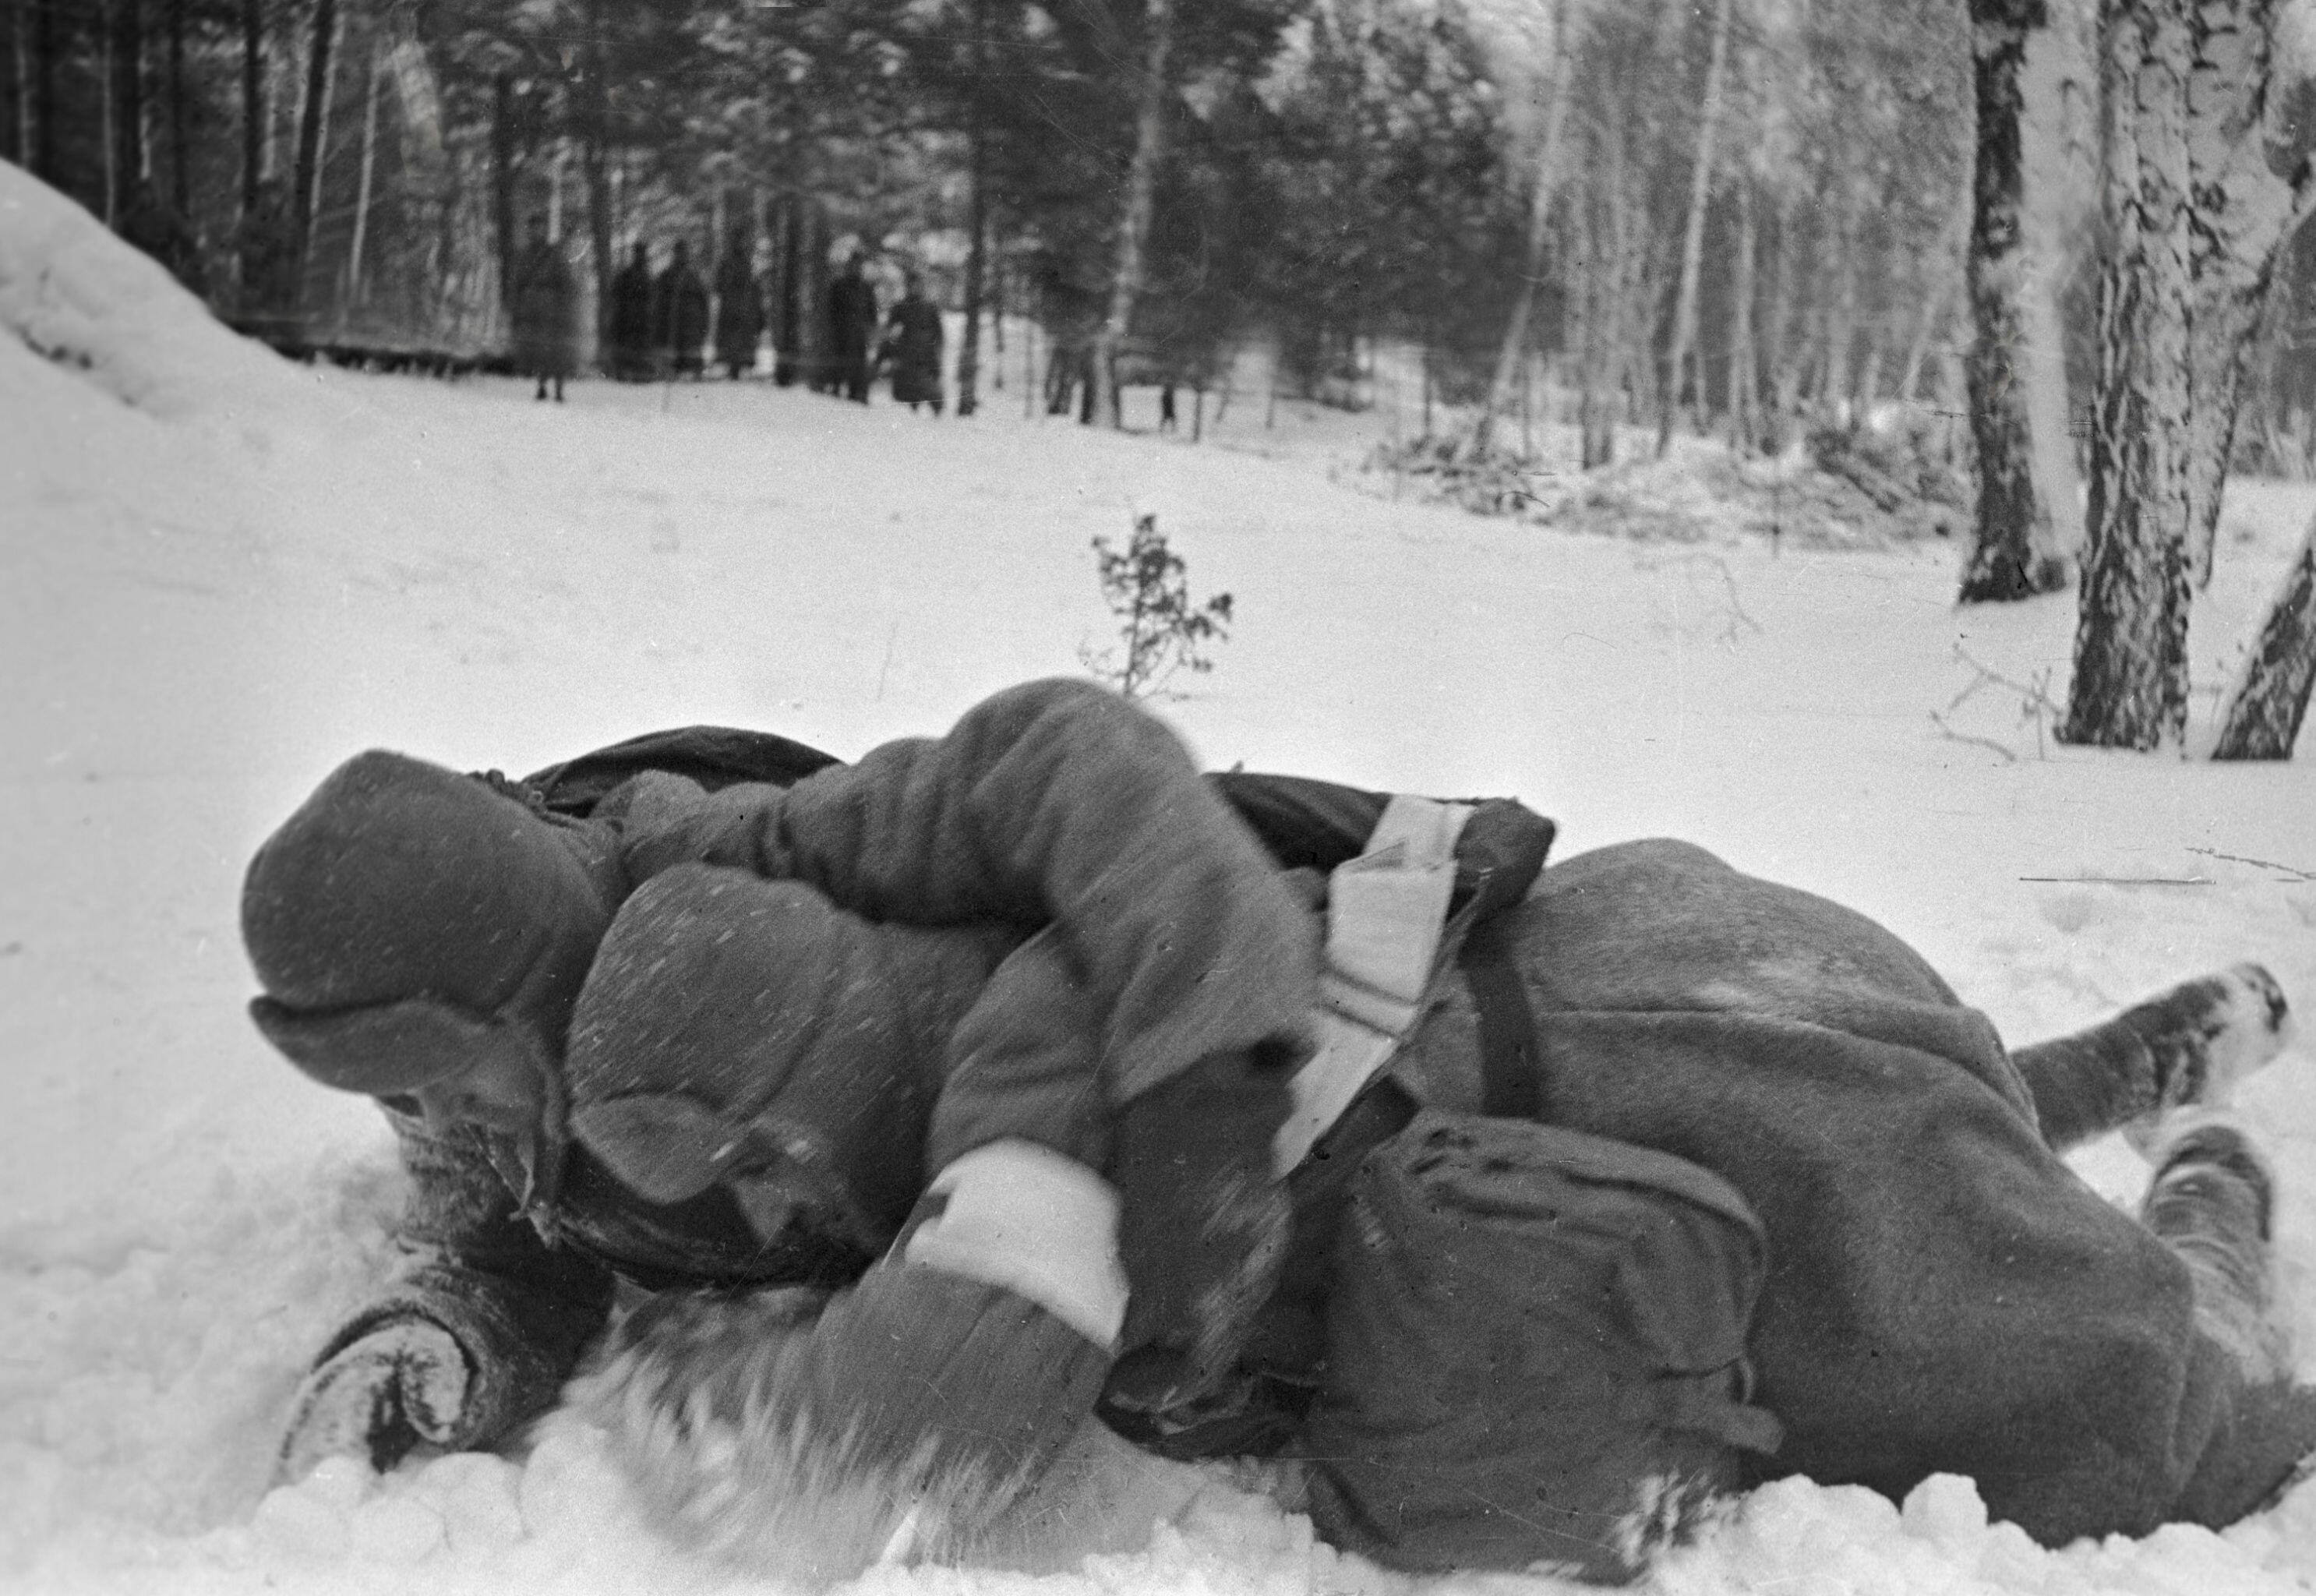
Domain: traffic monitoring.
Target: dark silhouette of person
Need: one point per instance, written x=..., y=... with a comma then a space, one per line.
x=542, y=299
x=680, y=313
x=851, y=328
x=739, y=307
x=631, y=317
x=913, y=347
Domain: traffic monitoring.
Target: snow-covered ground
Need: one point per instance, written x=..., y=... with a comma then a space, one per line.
x=220, y=575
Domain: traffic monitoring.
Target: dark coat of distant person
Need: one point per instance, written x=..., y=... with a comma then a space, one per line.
x=544, y=301
x=851, y=330
x=913, y=347
x=631, y=317
x=739, y=309
x=680, y=313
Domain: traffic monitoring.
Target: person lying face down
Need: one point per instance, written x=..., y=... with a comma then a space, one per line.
x=1021, y=1074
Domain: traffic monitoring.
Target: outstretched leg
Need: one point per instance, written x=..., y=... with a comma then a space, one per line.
x=2213, y=1202
x=2185, y=1048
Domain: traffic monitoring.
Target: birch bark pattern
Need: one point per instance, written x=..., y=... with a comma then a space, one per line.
x=1544, y=188
x=2238, y=221
x=1133, y=225
x=1692, y=244
x=2269, y=699
x=2130, y=686
x=2016, y=553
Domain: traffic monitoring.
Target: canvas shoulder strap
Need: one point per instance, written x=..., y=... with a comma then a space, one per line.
x=1386, y=913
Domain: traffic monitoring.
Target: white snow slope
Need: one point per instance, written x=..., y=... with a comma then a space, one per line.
x=220, y=575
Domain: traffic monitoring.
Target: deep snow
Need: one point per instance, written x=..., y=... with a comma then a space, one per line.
x=220, y=575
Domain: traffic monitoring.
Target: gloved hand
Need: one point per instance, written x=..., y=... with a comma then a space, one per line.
x=1203, y=1227
x=910, y=1412
x=393, y=1385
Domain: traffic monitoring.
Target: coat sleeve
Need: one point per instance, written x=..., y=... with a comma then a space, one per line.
x=1055, y=804
x=521, y=1311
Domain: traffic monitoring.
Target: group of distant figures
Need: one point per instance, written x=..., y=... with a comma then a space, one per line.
x=666, y=324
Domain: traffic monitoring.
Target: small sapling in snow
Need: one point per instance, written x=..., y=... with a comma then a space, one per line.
x=1160, y=629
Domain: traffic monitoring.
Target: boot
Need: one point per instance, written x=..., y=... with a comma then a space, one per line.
x=408, y=920
x=2189, y=1047
x=2213, y=1202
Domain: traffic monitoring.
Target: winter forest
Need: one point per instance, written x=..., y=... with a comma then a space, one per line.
x=1873, y=440
x=1775, y=221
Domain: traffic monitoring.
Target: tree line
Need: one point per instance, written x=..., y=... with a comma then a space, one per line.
x=1753, y=218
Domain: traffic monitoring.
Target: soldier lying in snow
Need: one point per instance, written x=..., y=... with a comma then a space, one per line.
x=1529, y=1208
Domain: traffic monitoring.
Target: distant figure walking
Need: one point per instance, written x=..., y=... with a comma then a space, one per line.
x=739, y=307
x=851, y=328
x=631, y=317
x=543, y=298
x=913, y=345
x=680, y=323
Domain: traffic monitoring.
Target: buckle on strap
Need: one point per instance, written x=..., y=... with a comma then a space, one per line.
x=1385, y=912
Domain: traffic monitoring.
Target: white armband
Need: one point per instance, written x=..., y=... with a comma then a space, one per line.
x=1042, y=1225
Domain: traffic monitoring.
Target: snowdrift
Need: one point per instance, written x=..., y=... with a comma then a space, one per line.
x=73, y=293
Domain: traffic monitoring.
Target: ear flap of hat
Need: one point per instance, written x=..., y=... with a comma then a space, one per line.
x=384, y=1049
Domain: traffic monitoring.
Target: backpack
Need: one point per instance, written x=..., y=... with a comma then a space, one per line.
x=1534, y=1350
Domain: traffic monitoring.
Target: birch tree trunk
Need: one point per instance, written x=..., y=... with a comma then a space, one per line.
x=362, y=189
x=593, y=103
x=2130, y=686
x=1744, y=398
x=2016, y=552
x=1544, y=189
x=503, y=221
x=1953, y=242
x=2238, y=219
x=977, y=133
x=310, y=126
x=2269, y=699
x=1840, y=326
x=1692, y=244
x=252, y=103
x=1785, y=365
x=1601, y=402
x=1133, y=225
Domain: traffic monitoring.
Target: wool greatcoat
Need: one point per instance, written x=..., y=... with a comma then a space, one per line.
x=1944, y=1294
